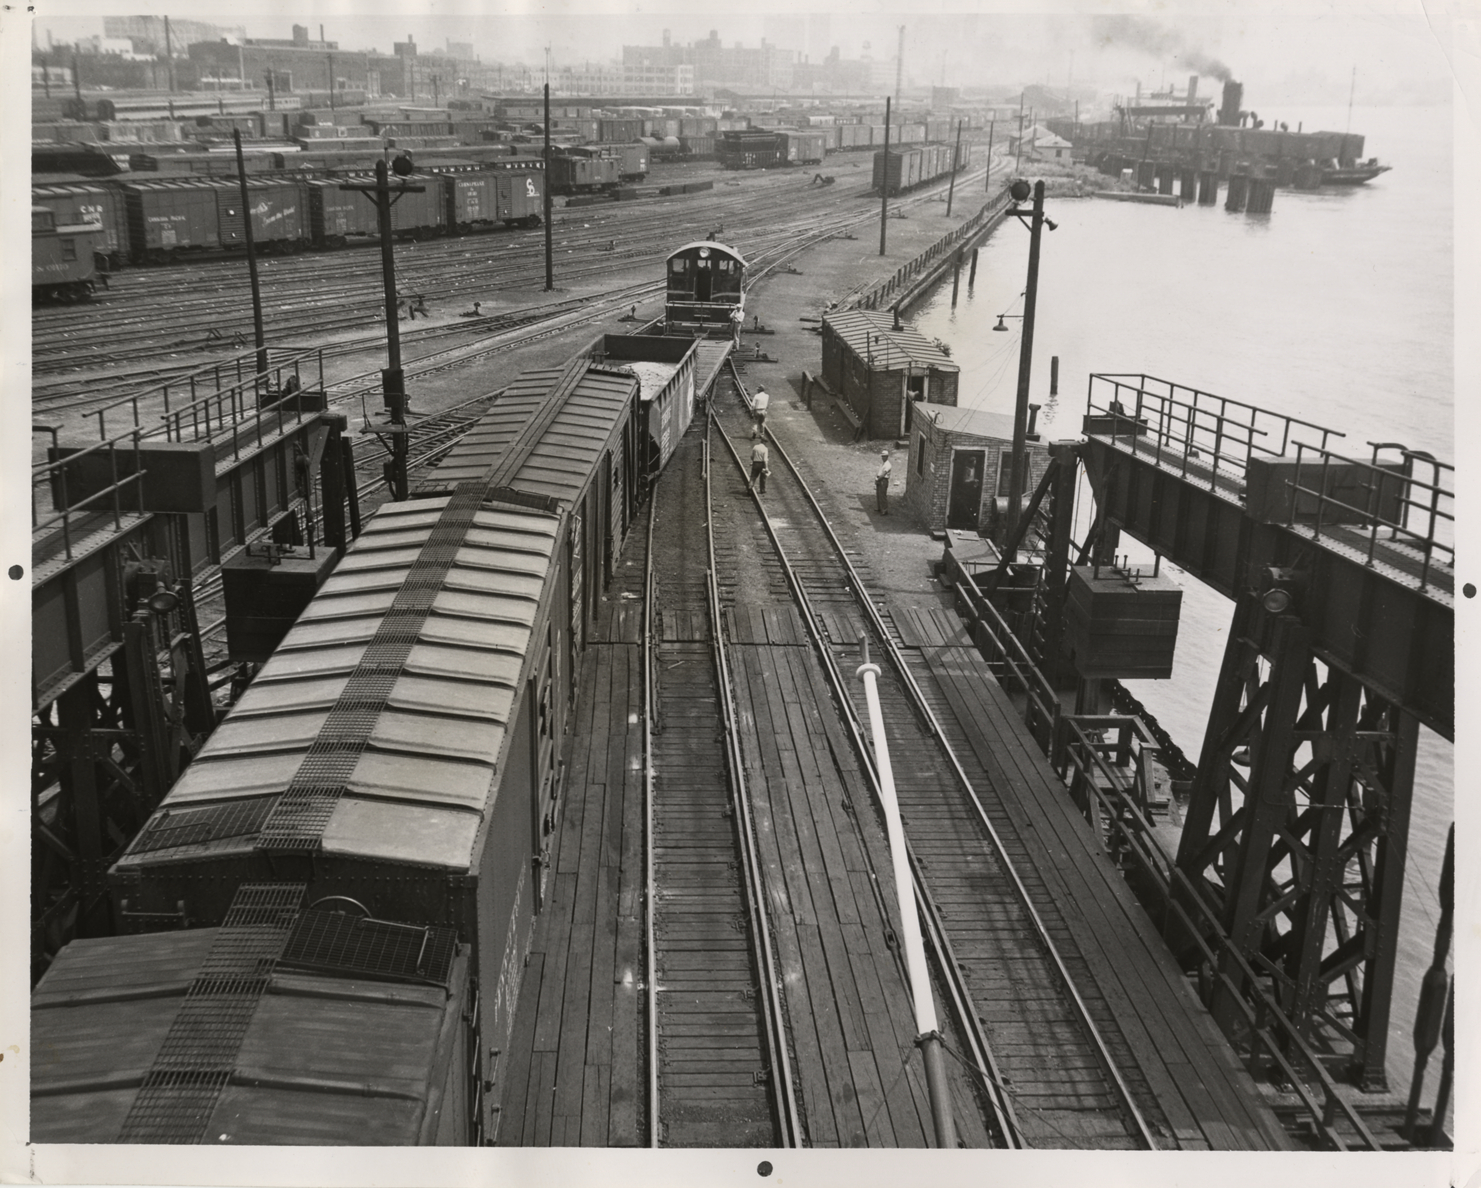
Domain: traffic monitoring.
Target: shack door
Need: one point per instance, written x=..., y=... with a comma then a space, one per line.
x=966, y=489
x=915, y=392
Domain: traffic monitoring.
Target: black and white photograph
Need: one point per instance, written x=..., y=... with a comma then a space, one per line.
x=831, y=595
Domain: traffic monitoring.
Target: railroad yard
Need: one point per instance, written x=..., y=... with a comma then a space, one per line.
x=691, y=934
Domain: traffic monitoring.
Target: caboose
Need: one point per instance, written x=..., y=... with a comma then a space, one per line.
x=62, y=263
x=706, y=290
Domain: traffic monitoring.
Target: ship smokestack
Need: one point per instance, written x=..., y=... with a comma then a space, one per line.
x=1192, y=89
x=1229, y=110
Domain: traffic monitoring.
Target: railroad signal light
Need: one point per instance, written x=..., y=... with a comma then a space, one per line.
x=402, y=166
x=1019, y=190
x=1280, y=589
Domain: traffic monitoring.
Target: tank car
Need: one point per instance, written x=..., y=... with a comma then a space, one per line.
x=706, y=290
x=62, y=257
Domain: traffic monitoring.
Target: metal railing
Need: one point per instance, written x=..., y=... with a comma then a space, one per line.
x=1398, y=506
x=58, y=507
x=209, y=392
x=1009, y=660
x=1267, y=1036
x=1203, y=435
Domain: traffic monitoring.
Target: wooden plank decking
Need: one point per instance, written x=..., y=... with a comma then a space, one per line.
x=1208, y=1097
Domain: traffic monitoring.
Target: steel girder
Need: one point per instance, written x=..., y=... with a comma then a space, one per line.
x=1303, y=857
x=1392, y=635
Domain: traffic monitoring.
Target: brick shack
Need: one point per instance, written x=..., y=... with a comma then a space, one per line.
x=957, y=472
x=882, y=373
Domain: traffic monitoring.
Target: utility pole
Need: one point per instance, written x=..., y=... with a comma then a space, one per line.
x=899, y=65
x=272, y=99
x=549, y=248
x=1018, y=157
x=884, y=178
x=991, y=127
x=393, y=380
x=1018, y=463
x=169, y=59
x=259, y=337
x=956, y=156
x=77, y=82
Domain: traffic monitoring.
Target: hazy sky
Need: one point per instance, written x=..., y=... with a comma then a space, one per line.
x=1280, y=58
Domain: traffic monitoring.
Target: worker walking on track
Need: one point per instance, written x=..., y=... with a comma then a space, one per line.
x=760, y=456
x=882, y=484
x=760, y=402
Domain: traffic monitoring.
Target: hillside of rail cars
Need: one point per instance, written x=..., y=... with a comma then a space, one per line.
x=389, y=781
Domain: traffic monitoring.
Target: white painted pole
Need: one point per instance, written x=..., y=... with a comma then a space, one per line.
x=928, y=1032
x=915, y=950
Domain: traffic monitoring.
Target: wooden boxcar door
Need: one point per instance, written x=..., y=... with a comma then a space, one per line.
x=609, y=529
x=966, y=488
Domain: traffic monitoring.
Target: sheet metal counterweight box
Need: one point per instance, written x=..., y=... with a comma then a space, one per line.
x=264, y=599
x=1116, y=625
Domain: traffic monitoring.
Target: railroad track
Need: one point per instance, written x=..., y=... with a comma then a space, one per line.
x=1052, y=1065
x=719, y=1068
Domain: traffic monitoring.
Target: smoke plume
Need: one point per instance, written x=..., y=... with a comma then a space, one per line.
x=1157, y=41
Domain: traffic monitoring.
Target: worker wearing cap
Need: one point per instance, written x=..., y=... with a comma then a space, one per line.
x=882, y=484
x=760, y=401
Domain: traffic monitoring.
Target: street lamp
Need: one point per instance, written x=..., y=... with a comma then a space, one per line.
x=1017, y=463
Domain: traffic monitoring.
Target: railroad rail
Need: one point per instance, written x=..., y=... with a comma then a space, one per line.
x=1098, y=1095
x=719, y=1070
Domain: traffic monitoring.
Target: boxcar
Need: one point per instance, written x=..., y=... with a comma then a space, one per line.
x=336, y=215
x=72, y=202
x=169, y=217
x=362, y=1033
x=797, y=147
x=62, y=257
x=402, y=746
x=484, y=199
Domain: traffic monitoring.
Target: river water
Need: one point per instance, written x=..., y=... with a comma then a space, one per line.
x=1335, y=308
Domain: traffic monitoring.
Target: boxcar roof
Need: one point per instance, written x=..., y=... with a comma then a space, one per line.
x=326, y=1059
x=423, y=784
x=561, y=462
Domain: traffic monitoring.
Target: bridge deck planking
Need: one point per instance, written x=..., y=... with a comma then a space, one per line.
x=1147, y=992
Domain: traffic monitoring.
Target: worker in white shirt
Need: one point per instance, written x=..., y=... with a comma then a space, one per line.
x=759, y=403
x=882, y=484
x=760, y=456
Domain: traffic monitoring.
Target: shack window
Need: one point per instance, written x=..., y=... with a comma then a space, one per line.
x=69, y=249
x=920, y=456
x=1005, y=483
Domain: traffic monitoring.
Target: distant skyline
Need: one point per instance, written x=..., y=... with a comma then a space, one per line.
x=1281, y=59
